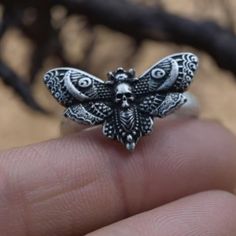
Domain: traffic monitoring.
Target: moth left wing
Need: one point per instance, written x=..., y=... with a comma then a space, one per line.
x=158, y=105
x=69, y=85
x=91, y=113
x=173, y=73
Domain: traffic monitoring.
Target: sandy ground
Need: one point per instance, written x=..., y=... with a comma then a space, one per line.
x=216, y=89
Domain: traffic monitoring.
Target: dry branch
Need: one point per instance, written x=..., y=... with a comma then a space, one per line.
x=140, y=22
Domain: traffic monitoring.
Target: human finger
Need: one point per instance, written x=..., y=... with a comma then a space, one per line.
x=207, y=213
x=82, y=182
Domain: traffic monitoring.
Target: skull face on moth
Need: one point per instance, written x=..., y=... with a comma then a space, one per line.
x=123, y=95
x=124, y=104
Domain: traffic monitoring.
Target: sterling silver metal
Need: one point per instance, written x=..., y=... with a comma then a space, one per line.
x=124, y=104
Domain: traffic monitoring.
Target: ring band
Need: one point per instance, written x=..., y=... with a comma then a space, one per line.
x=190, y=109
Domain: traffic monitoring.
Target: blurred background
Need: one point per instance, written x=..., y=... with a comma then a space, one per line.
x=100, y=35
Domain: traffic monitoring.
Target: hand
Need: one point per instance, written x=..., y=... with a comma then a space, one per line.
x=176, y=182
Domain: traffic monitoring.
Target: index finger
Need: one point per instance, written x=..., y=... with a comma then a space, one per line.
x=82, y=182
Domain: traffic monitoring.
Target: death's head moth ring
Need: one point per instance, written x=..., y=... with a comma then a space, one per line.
x=124, y=104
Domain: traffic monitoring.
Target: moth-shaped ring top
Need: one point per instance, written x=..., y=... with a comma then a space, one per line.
x=124, y=104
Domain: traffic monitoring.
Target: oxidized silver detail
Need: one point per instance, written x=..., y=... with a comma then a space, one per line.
x=124, y=104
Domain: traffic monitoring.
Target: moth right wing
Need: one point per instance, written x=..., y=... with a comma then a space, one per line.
x=172, y=74
x=69, y=85
x=160, y=89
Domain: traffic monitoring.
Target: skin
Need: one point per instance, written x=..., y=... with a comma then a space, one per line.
x=178, y=181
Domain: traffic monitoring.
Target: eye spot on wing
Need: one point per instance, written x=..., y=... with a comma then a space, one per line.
x=158, y=73
x=84, y=82
x=193, y=66
x=57, y=95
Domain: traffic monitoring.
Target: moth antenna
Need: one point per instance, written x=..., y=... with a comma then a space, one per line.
x=120, y=70
x=110, y=75
x=132, y=72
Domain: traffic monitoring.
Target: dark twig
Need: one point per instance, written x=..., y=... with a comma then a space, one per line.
x=142, y=22
x=132, y=53
x=10, y=78
x=89, y=49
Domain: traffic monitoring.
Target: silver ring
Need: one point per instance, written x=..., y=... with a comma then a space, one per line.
x=124, y=104
x=190, y=109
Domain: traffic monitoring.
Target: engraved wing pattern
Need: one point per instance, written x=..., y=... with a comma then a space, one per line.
x=84, y=95
x=173, y=73
x=124, y=104
x=162, y=85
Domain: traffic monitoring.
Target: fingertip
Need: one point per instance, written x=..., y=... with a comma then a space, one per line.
x=205, y=213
